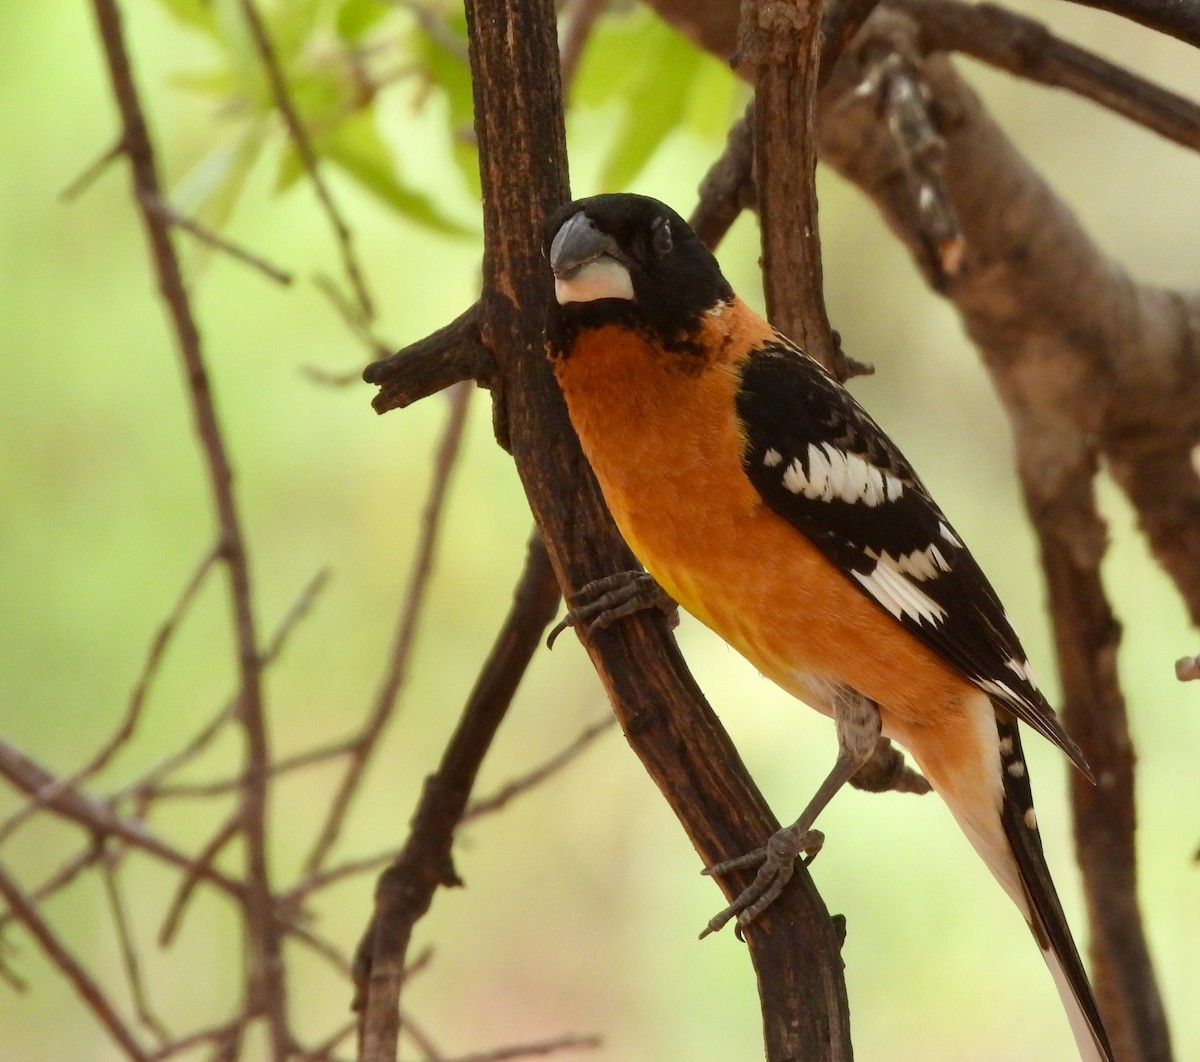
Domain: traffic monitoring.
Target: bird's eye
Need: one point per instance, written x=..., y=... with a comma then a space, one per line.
x=662, y=239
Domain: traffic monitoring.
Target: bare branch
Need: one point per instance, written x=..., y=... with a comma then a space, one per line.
x=1181, y=21
x=779, y=44
x=1187, y=668
x=207, y=236
x=507, y=793
x=195, y=872
x=728, y=187
x=86, y=987
x=308, y=156
x=406, y=888
x=266, y=989
x=94, y=169
x=450, y=355
x=128, y=949
x=358, y=322
x=569, y=1042
x=98, y=818
x=1025, y=47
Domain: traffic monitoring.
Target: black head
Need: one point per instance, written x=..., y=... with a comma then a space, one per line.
x=630, y=259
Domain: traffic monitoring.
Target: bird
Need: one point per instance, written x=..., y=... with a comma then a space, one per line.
x=761, y=497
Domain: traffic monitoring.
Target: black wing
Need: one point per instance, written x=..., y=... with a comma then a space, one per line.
x=819, y=461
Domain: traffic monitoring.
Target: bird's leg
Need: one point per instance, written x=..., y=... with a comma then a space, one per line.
x=602, y=602
x=858, y=730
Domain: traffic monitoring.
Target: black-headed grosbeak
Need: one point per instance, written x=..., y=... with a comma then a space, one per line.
x=764, y=500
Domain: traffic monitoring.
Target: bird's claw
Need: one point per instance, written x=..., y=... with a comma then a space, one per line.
x=602, y=602
x=776, y=862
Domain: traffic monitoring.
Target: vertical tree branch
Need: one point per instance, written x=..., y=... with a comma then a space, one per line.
x=265, y=977
x=781, y=43
x=519, y=124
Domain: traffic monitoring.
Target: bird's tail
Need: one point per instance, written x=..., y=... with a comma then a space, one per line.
x=1010, y=845
x=1038, y=900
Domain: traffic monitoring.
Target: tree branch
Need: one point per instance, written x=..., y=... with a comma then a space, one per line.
x=455, y=352
x=87, y=988
x=406, y=888
x=1025, y=47
x=794, y=946
x=266, y=991
x=308, y=156
x=1179, y=20
x=780, y=45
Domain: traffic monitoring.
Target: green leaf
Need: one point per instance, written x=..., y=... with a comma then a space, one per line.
x=198, y=14
x=356, y=18
x=446, y=66
x=356, y=148
x=655, y=107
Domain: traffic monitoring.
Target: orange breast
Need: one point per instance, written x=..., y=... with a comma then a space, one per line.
x=664, y=442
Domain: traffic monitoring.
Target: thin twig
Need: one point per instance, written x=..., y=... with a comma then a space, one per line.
x=191, y=879
x=352, y=315
x=86, y=987
x=308, y=155
x=97, y=817
x=394, y=678
x=205, y=235
x=94, y=169
x=265, y=990
x=137, y=700
x=569, y=1042
x=195, y=1039
x=506, y=793
x=67, y=873
x=148, y=787
x=128, y=949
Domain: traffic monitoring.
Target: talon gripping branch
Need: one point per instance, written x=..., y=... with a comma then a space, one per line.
x=765, y=501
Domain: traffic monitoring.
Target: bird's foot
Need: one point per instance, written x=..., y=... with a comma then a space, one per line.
x=776, y=862
x=602, y=602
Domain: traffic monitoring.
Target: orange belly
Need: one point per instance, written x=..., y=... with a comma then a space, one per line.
x=665, y=446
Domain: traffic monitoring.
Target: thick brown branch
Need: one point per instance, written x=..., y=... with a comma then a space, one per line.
x=780, y=45
x=1025, y=47
x=1064, y=334
x=450, y=355
x=1179, y=20
x=406, y=888
x=728, y=187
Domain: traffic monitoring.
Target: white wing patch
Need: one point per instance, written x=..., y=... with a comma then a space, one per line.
x=771, y=458
x=834, y=473
x=921, y=564
x=896, y=591
x=1022, y=670
x=949, y=535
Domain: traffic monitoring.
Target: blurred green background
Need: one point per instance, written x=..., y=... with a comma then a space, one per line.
x=583, y=899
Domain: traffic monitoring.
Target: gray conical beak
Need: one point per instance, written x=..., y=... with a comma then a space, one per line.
x=577, y=243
